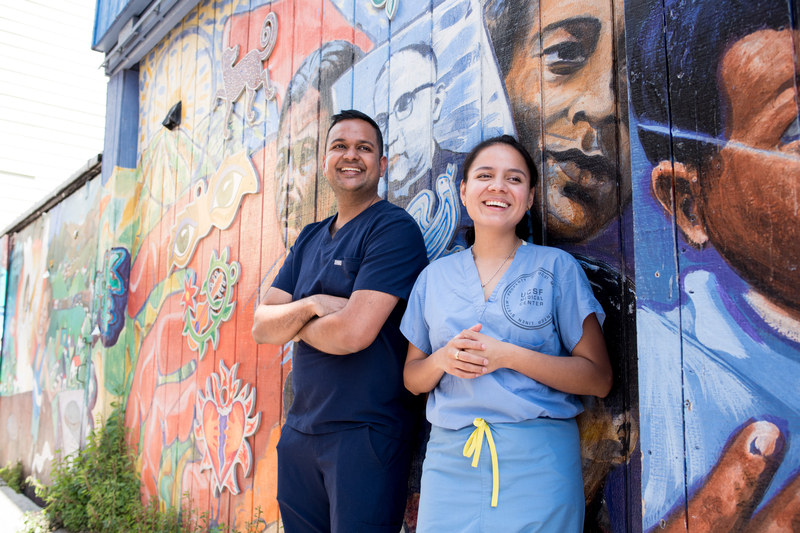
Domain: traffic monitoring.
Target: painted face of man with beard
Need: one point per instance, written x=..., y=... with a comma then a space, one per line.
x=558, y=60
x=296, y=166
x=303, y=195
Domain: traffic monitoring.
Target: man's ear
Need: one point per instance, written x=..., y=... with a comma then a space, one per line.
x=438, y=101
x=686, y=205
x=383, y=165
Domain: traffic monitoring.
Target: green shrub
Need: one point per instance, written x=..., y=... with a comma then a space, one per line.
x=95, y=489
x=98, y=489
x=12, y=475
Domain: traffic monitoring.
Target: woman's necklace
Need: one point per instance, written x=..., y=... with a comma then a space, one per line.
x=498, y=268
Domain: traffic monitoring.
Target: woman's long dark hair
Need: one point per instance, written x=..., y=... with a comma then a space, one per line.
x=523, y=229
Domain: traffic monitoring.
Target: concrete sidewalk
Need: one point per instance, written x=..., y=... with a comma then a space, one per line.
x=12, y=508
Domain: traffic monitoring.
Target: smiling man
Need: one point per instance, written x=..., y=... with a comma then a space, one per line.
x=343, y=457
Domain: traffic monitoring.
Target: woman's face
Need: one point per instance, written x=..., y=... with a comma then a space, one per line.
x=497, y=188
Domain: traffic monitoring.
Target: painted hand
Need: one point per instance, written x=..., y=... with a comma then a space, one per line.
x=735, y=487
x=459, y=356
x=782, y=513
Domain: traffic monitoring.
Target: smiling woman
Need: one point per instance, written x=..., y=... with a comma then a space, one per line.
x=523, y=177
x=503, y=337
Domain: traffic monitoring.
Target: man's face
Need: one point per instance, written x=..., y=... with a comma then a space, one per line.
x=750, y=193
x=299, y=150
x=408, y=127
x=563, y=76
x=352, y=164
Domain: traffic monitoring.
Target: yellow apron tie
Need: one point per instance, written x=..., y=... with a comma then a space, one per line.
x=473, y=449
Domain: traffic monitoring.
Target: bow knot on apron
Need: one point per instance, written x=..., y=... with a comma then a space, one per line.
x=473, y=449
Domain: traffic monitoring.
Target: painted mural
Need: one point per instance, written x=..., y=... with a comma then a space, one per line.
x=49, y=384
x=143, y=286
x=3, y=281
x=223, y=425
x=716, y=182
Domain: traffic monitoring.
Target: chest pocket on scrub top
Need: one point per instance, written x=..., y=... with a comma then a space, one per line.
x=340, y=276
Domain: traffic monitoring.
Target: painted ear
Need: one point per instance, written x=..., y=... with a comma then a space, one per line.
x=438, y=100
x=683, y=180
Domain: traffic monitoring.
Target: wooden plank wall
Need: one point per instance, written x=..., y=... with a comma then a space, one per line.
x=222, y=198
x=716, y=254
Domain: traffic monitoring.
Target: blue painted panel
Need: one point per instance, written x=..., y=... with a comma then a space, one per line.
x=717, y=285
x=122, y=113
x=106, y=13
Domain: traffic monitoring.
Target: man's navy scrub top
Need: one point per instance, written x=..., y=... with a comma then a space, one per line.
x=381, y=250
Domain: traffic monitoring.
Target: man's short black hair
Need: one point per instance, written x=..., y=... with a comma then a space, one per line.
x=352, y=114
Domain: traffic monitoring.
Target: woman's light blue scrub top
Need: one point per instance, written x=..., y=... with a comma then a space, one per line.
x=540, y=303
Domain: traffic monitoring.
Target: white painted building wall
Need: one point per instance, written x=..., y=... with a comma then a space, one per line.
x=52, y=98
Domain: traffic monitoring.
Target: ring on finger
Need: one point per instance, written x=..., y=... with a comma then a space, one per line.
x=456, y=354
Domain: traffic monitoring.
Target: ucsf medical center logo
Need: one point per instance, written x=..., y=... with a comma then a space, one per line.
x=528, y=300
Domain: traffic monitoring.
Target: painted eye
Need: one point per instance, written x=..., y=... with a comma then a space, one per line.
x=308, y=154
x=282, y=163
x=226, y=190
x=570, y=46
x=183, y=238
x=404, y=105
x=565, y=57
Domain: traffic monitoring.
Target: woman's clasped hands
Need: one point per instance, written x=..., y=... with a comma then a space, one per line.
x=470, y=354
